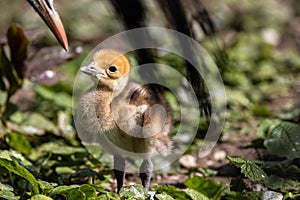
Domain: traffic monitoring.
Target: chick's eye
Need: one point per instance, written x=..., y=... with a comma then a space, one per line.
x=112, y=69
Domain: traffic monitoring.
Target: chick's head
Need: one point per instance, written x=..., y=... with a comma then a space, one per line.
x=110, y=69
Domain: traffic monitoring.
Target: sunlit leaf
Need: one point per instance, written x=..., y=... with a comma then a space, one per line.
x=62, y=190
x=290, y=195
x=84, y=191
x=14, y=167
x=88, y=190
x=163, y=196
x=65, y=125
x=3, y=97
x=172, y=191
x=195, y=195
x=8, y=195
x=210, y=188
x=134, y=192
x=38, y=121
x=59, y=149
x=62, y=170
x=45, y=186
x=18, y=142
x=40, y=197
x=249, y=168
x=6, y=192
x=17, y=117
x=252, y=171
x=108, y=196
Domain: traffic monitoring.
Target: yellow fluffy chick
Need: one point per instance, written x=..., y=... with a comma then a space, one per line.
x=125, y=117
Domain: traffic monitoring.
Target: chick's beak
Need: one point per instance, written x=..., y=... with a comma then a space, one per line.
x=46, y=10
x=93, y=70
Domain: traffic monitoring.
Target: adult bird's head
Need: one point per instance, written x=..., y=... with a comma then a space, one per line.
x=110, y=69
x=46, y=10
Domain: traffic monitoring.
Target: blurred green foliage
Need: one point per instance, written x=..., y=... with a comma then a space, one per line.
x=42, y=157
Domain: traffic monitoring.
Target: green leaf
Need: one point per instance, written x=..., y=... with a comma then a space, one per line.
x=14, y=155
x=40, y=197
x=38, y=121
x=265, y=127
x=134, y=192
x=3, y=95
x=9, y=109
x=87, y=172
x=237, y=160
x=196, y=195
x=8, y=71
x=18, y=43
x=62, y=190
x=65, y=124
x=284, y=184
x=249, y=168
x=14, y=167
x=84, y=191
x=172, y=191
x=210, y=188
x=253, y=172
x=282, y=138
x=238, y=196
x=45, y=186
x=108, y=196
x=6, y=192
x=290, y=195
x=59, y=149
x=88, y=190
x=236, y=79
x=17, y=117
x=113, y=196
x=76, y=194
x=261, y=110
x=18, y=142
x=163, y=196
x=59, y=98
x=8, y=195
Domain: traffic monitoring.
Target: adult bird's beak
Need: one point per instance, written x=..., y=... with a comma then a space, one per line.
x=46, y=10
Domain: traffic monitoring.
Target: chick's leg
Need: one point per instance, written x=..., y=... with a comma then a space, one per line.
x=119, y=170
x=146, y=172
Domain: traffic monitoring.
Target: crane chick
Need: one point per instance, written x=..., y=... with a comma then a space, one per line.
x=127, y=118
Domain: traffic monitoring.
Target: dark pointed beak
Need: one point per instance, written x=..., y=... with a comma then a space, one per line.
x=47, y=12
